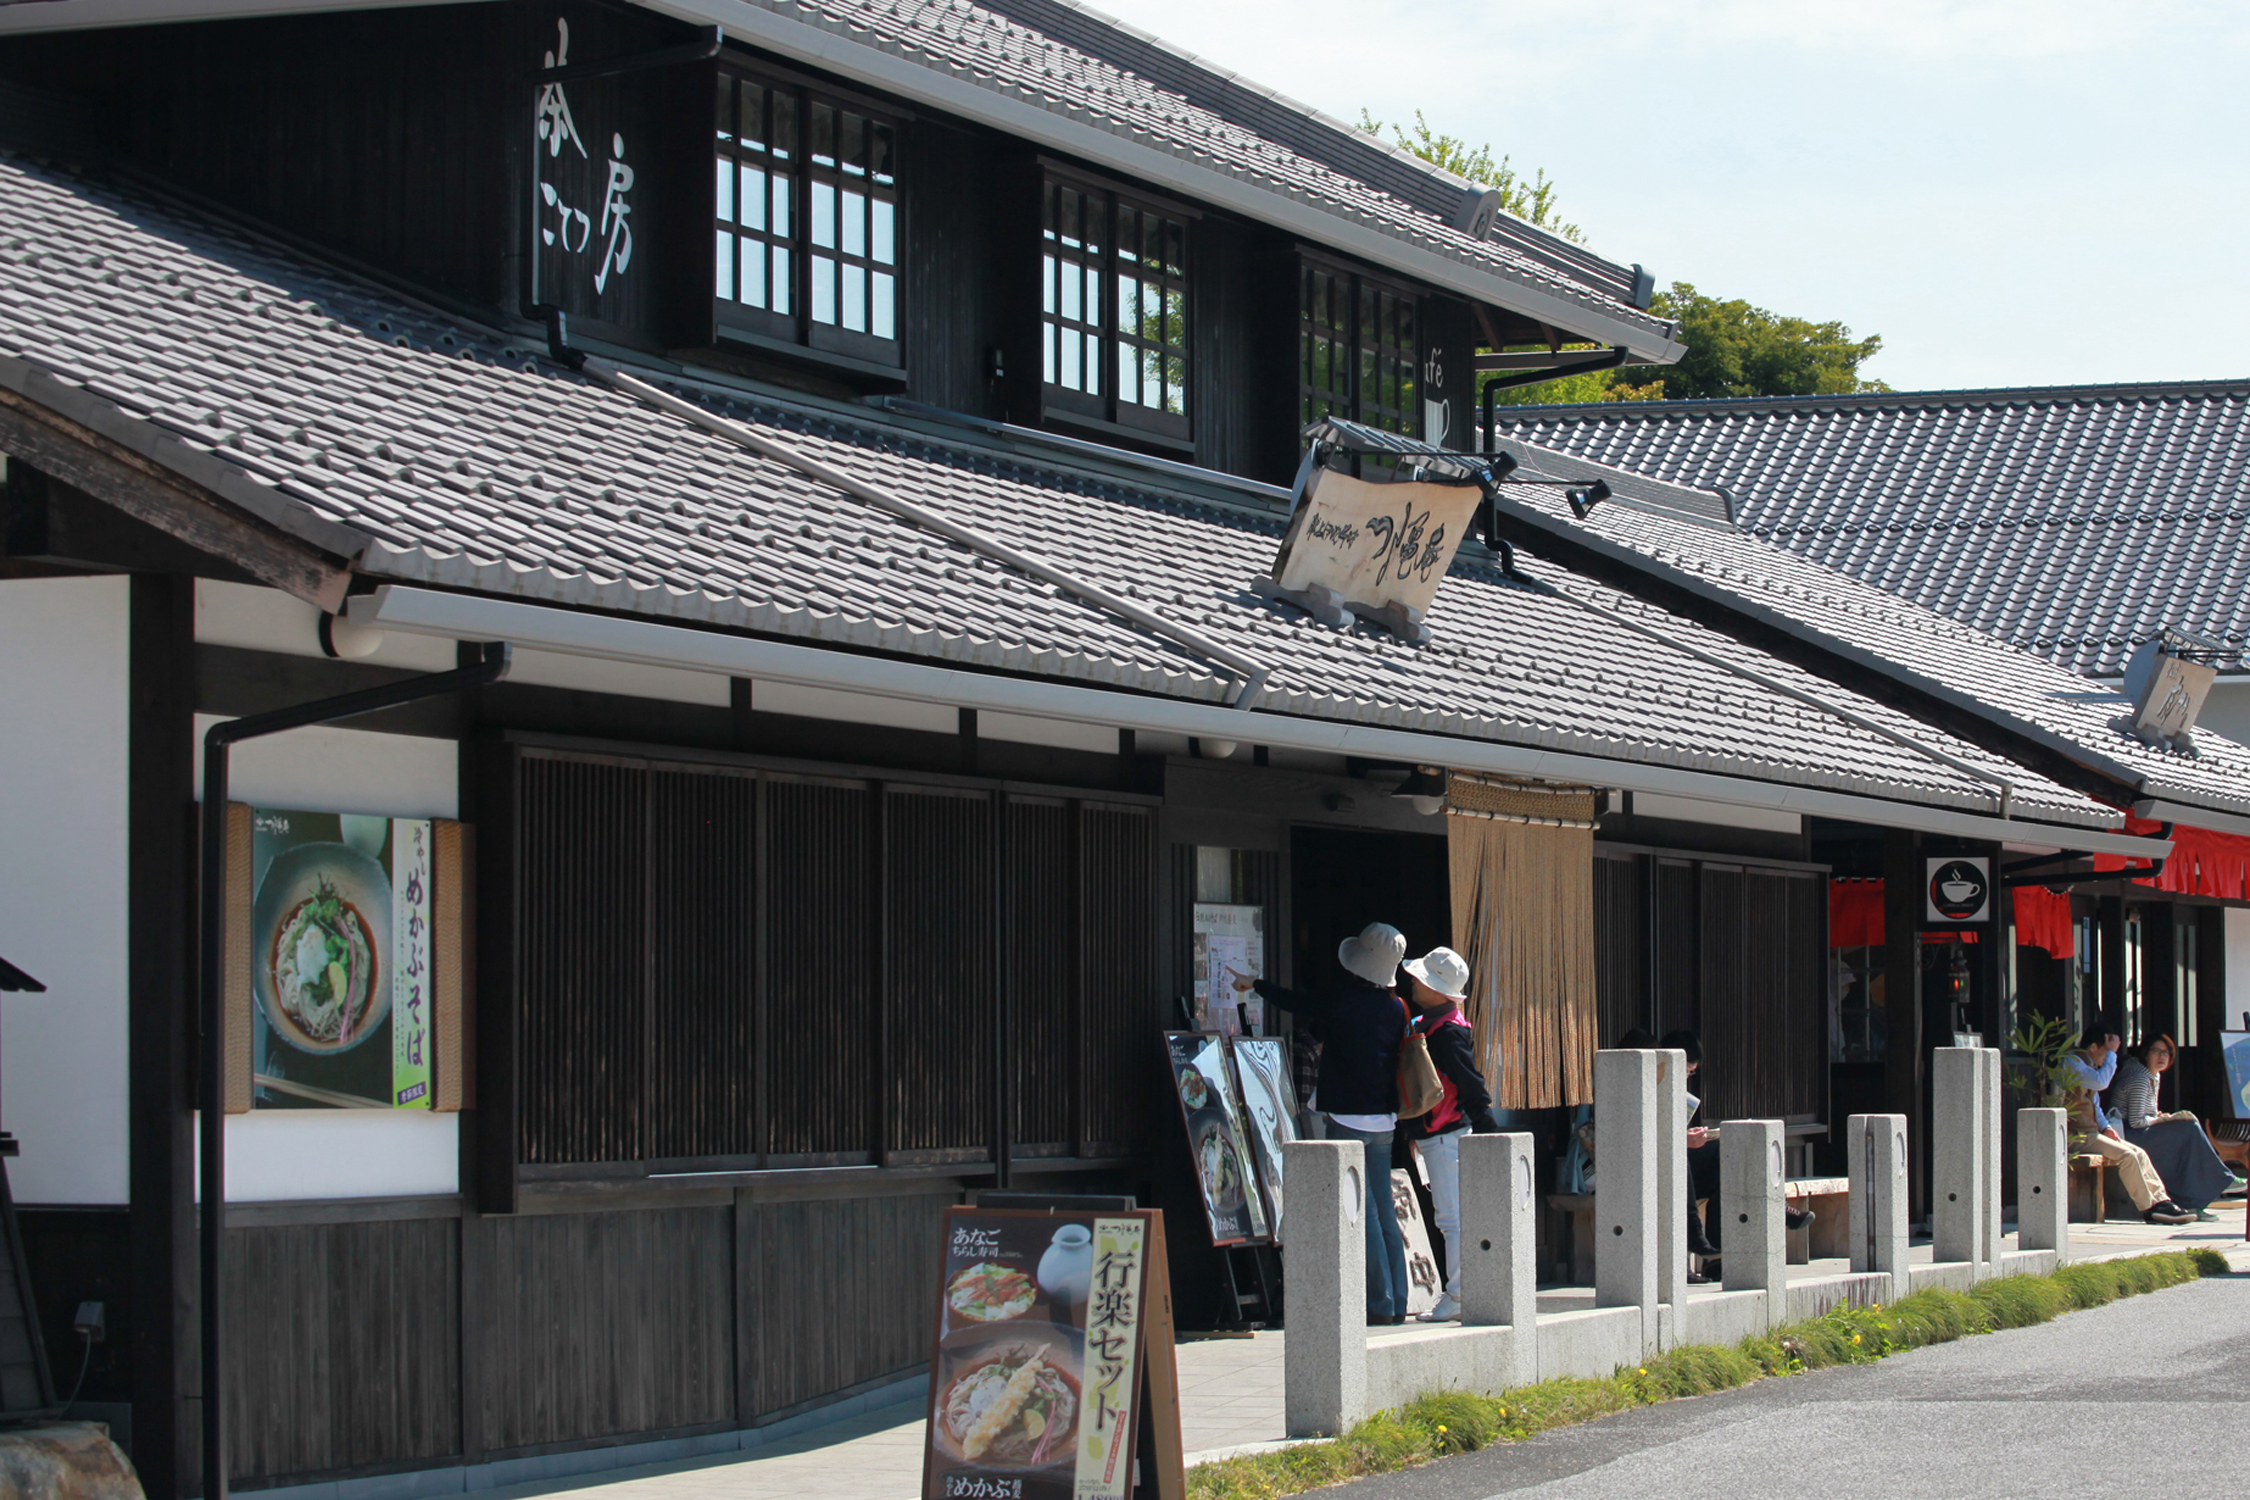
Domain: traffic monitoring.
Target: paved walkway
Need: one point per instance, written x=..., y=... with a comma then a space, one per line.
x=1230, y=1402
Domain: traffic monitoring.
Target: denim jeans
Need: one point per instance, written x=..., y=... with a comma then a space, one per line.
x=1386, y=1246
x=1441, y=1157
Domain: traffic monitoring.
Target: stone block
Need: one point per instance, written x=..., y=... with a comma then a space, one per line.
x=1877, y=1154
x=2042, y=1184
x=1671, y=1187
x=1957, y=1155
x=1753, y=1232
x=1594, y=1341
x=1324, y=1357
x=1625, y=1187
x=1499, y=1243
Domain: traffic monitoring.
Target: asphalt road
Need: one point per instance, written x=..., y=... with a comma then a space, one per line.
x=2148, y=1395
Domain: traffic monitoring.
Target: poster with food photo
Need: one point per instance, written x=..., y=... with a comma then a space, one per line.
x=339, y=955
x=1269, y=1103
x=1038, y=1360
x=1217, y=1134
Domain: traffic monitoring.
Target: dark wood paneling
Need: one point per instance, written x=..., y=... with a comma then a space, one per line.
x=704, y=921
x=939, y=889
x=1123, y=1010
x=951, y=266
x=1222, y=327
x=1620, y=944
x=582, y=952
x=1043, y=972
x=1675, y=966
x=342, y=1346
x=821, y=1009
x=822, y=1319
x=1765, y=1005
x=594, y=1324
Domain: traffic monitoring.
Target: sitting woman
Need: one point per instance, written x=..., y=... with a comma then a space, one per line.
x=2174, y=1142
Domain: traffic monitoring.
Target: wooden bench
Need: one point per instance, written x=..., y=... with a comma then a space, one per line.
x=2089, y=1188
x=2231, y=1139
x=1829, y=1234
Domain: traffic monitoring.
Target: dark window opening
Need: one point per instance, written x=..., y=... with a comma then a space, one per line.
x=806, y=216
x=1114, y=310
x=1358, y=351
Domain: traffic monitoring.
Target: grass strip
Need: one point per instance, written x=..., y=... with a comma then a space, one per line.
x=1450, y=1422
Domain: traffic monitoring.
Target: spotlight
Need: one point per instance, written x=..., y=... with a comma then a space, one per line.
x=1585, y=497
x=1425, y=789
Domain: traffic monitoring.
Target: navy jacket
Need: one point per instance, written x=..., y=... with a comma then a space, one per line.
x=1360, y=1027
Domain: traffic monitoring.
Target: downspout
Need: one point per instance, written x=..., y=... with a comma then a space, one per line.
x=1607, y=359
x=1850, y=716
x=1252, y=673
x=211, y=1001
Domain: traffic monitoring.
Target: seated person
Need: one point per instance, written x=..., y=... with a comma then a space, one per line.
x=2175, y=1143
x=2091, y=1130
x=1703, y=1162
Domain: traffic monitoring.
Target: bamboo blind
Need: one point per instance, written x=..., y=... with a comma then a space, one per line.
x=1522, y=862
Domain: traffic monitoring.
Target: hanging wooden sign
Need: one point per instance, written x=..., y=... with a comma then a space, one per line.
x=1379, y=546
x=1053, y=1374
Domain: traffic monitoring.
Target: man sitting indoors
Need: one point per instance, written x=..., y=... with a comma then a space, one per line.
x=2094, y=1065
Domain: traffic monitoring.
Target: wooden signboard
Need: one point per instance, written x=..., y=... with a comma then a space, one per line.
x=1376, y=545
x=1052, y=1375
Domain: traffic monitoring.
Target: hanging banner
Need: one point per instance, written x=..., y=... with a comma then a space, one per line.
x=1053, y=1357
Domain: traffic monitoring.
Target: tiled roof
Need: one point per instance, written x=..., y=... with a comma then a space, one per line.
x=2027, y=694
x=2073, y=521
x=469, y=461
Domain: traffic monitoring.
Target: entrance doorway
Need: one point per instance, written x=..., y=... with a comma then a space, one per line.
x=1342, y=879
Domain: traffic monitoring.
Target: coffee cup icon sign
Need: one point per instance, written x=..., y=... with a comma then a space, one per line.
x=1957, y=890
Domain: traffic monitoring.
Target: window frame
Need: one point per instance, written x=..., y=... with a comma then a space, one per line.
x=1106, y=408
x=799, y=329
x=1365, y=293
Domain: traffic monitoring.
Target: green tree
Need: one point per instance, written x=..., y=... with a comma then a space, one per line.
x=1737, y=349
x=1529, y=199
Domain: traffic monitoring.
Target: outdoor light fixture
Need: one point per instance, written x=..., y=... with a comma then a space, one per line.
x=1585, y=497
x=1425, y=788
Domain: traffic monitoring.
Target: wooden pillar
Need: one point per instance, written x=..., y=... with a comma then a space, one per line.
x=2111, y=1011
x=160, y=902
x=1902, y=997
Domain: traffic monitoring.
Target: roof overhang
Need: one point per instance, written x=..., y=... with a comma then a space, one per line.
x=610, y=637
x=2193, y=817
x=22, y=16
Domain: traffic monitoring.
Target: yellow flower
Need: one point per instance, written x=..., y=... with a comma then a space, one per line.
x=1644, y=1370
x=1441, y=1427
x=1855, y=1338
x=1503, y=1411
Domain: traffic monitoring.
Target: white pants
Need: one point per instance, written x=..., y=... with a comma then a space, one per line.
x=1441, y=1158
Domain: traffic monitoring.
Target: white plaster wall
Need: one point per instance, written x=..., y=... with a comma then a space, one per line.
x=1062, y=734
x=2238, y=966
x=295, y=1154
x=63, y=693
x=857, y=708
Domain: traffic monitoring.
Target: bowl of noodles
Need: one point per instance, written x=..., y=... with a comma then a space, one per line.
x=1008, y=1398
x=320, y=946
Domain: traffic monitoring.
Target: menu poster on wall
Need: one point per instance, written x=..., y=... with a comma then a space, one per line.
x=1269, y=1103
x=1229, y=940
x=2235, y=1046
x=341, y=1013
x=1053, y=1357
x=1218, y=1146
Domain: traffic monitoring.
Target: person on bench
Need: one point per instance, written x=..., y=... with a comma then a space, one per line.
x=2091, y=1130
x=2175, y=1143
x=1703, y=1164
x=1441, y=982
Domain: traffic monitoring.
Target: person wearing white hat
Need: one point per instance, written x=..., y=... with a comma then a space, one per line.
x=1441, y=982
x=1361, y=1026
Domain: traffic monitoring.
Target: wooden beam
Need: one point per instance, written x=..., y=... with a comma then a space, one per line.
x=148, y=492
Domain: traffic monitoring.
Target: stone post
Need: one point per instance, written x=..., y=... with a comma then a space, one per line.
x=1988, y=1157
x=1957, y=1155
x=1752, y=1230
x=1499, y=1246
x=1880, y=1189
x=1671, y=1191
x=1324, y=1358
x=1625, y=1185
x=2043, y=1181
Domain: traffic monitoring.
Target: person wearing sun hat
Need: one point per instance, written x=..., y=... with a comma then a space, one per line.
x=1441, y=982
x=1361, y=1025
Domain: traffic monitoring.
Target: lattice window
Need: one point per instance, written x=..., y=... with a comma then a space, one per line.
x=806, y=243
x=1324, y=344
x=1114, y=309
x=1358, y=350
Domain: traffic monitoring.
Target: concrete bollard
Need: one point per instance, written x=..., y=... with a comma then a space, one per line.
x=1499, y=1246
x=2043, y=1181
x=1755, y=1236
x=1957, y=1155
x=1880, y=1187
x=1324, y=1261
x=1671, y=1192
x=1625, y=1185
x=1988, y=1159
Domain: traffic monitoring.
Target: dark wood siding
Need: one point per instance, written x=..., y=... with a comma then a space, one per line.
x=1620, y=944
x=943, y=987
x=1672, y=963
x=817, y=1320
x=1224, y=327
x=1044, y=974
x=593, y=1324
x=953, y=266
x=704, y=923
x=343, y=1345
x=1117, y=944
x=824, y=1007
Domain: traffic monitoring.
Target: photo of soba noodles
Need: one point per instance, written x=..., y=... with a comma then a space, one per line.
x=1010, y=1404
x=324, y=966
x=321, y=948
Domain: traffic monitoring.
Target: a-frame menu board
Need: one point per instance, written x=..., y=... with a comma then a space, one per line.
x=1052, y=1373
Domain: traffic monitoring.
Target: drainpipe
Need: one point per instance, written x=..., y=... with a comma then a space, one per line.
x=1252, y=673
x=211, y=1098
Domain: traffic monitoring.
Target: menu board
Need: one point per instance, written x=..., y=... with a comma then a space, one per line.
x=2235, y=1046
x=1423, y=1279
x=1261, y=1070
x=1053, y=1356
x=1218, y=1145
x=1229, y=940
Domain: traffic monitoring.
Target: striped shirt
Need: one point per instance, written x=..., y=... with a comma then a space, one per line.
x=2134, y=1094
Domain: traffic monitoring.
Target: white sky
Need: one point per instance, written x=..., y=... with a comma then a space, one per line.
x=2010, y=192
